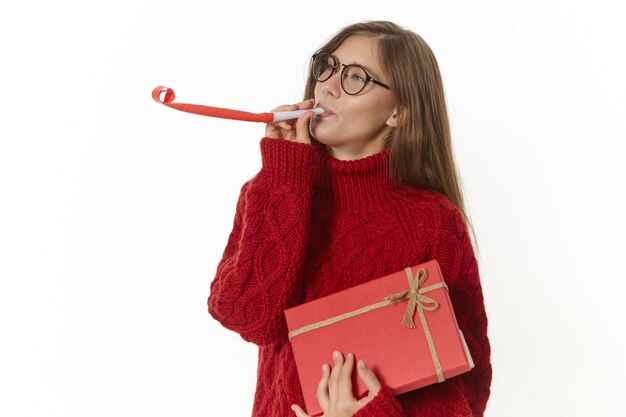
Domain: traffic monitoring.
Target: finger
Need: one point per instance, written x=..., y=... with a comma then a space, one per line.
x=306, y=104
x=299, y=411
x=322, y=387
x=369, y=379
x=302, y=127
x=344, y=383
x=286, y=107
x=334, y=375
x=277, y=129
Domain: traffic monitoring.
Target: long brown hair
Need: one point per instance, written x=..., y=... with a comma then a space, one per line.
x=421, y=154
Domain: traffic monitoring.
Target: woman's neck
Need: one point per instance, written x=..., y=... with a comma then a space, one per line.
x=359, y=150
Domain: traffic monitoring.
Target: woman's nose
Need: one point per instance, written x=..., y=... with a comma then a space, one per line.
x=333, y=84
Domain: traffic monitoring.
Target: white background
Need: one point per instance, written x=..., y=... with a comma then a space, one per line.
x=115, y=210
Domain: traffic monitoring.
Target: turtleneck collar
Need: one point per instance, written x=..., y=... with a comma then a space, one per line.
x=360, y=185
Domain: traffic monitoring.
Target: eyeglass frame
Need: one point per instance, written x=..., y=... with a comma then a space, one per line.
x=368, y=77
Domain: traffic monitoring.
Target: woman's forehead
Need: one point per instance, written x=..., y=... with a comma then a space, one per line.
x=359, y=49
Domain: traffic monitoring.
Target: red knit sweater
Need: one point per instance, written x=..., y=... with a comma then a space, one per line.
x=308, y=225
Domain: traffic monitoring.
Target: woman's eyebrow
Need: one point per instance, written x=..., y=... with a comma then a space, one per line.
x=368, y=69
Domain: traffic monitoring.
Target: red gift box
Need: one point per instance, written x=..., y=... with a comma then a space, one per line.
x=402, y=325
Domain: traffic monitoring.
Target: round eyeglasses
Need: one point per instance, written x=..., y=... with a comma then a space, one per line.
x=354, y=77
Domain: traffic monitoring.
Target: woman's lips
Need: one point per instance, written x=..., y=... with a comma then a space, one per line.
x=327, y=111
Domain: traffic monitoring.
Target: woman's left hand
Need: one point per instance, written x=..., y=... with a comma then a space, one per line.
x=334, y=391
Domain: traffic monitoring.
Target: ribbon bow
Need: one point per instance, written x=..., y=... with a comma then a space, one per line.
x=415, y=296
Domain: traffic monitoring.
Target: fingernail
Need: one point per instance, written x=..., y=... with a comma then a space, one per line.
x=336, y=354
x=324, y=368
x=350, y=355
x=362, y=364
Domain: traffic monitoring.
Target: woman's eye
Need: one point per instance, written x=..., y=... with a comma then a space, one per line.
x=355, y=76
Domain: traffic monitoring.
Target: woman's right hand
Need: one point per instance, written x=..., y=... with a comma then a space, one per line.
x=295, y=130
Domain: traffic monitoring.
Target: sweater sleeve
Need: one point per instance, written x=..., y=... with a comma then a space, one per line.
x=465, y=395
x=260, y=273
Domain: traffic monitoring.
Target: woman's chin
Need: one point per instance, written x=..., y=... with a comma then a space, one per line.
x=322, y=134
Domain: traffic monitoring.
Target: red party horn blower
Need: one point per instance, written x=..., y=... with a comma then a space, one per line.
x=268, y=117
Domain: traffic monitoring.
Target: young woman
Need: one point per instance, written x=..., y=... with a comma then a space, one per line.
x=361, y=191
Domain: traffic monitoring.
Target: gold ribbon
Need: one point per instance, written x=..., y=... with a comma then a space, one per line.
x=417, y=301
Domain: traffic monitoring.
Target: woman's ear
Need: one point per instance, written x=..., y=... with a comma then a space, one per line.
x=396, y=117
